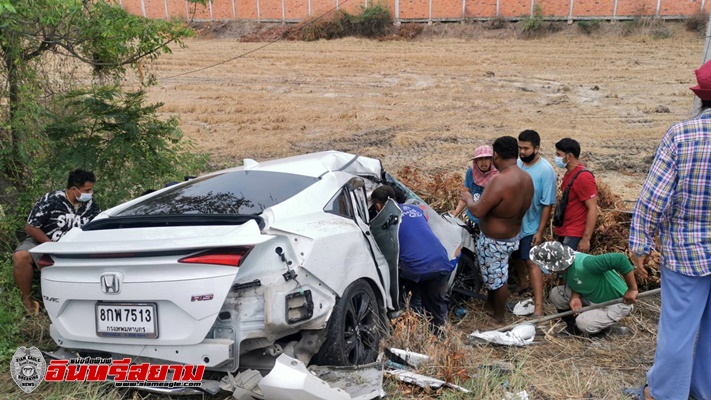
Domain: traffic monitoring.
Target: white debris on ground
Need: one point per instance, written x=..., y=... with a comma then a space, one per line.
x=423, y=381
x=522, y=395
x=520, y=335
x=410, y=357
x=524, y=308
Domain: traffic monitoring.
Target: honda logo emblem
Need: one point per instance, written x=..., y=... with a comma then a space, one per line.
x=110, y=283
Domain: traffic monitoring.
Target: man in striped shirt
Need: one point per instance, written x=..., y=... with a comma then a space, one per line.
x=676, y=202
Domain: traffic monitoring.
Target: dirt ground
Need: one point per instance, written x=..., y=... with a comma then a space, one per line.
x=431, y=101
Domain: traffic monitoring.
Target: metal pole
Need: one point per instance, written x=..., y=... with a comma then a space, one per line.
x=497, y=7
x=167, y=15
x=702, y=6
x=430, y=20
x=283, y=12
x=259, y=14
x=659, y=5
x=706, y=57
x=234, y=10
x=533, y=2
x=614, y=11
x=580, y=310
x=309, y=8
x=464, y=8
x=397, y=12
x=570, y=17
x=143, y=8
x=209, y=3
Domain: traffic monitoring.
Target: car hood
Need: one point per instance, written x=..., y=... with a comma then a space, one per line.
x=152, y=239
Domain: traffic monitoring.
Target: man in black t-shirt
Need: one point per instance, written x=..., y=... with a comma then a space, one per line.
x=51, y=217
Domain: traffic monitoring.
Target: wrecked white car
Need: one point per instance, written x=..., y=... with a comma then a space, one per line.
x=234, y=268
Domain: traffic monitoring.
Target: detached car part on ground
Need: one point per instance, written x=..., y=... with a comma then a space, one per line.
x=234, y=268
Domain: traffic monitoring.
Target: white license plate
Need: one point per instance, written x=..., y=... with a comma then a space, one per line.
x=130, y=320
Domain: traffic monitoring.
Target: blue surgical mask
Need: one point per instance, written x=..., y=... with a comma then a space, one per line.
x=559, y=162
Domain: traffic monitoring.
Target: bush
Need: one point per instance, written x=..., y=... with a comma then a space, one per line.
x=588, y=27
x=533, y=24
x=370, y=22
x=496, y=23
x=697, y=23
x=118, y=137
x=327, y=27
x=410, y=31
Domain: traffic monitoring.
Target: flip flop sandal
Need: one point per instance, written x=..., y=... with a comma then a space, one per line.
x=635, y=393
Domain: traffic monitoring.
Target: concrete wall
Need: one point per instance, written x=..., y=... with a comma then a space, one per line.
x=416, y=10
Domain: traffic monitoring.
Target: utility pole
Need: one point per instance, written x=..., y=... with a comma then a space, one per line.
x=707, y=56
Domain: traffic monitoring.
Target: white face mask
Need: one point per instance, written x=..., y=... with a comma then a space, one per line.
x=559, y=162
x=84, y=197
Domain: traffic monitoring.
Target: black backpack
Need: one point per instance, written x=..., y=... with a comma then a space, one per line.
x=559, y=213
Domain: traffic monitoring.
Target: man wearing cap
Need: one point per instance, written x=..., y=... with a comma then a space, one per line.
x=476, y=178
x=675, y=202
x=536, y=218
x=589, y=280
x=500, y=210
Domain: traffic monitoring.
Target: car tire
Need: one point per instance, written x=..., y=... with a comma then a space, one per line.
x=354, y=329
x=468, y=277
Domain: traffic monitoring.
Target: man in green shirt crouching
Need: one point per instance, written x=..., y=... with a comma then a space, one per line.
x=588, y=280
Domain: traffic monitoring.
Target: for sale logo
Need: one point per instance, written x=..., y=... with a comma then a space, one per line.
x=27, y=368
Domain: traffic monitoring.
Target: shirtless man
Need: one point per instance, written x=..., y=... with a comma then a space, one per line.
x=500, y=211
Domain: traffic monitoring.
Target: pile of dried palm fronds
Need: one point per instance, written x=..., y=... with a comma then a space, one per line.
x=612, y=231
x=440, y=191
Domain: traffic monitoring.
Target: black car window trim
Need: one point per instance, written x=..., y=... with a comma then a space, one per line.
x=152, y=221
x=342, y=192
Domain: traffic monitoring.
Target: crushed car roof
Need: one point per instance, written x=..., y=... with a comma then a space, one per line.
x=318, y=164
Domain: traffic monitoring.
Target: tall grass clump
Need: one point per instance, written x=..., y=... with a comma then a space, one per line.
x=697, y=23
x=589, y=27
x=370, y=22
x=533, y=24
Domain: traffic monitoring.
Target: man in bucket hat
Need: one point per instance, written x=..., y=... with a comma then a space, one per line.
x=675, y=203
x=588, y=280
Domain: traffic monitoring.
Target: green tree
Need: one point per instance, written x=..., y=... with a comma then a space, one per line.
x=48, y=47
x=123, y=141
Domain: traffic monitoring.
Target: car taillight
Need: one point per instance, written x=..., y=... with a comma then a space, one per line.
x=45, y=261
x=233, y=256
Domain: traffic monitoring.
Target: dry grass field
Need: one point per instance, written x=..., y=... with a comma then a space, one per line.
x=429, y=102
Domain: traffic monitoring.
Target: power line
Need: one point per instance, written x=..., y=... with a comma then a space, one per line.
x=258, y=48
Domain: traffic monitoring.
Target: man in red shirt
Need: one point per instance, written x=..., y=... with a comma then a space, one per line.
x=581, y=212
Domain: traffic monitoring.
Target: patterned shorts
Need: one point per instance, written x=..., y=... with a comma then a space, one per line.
x=494, y=259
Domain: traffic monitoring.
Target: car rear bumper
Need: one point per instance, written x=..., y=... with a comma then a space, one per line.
x=210, y=352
